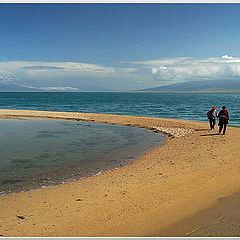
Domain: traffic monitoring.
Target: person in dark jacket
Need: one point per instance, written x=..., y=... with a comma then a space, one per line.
x=223, y=117
x=212, y=115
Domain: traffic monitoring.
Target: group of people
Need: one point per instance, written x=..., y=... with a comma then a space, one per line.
x=222, y=116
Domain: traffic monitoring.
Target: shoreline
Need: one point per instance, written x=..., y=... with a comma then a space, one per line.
x=146, y=198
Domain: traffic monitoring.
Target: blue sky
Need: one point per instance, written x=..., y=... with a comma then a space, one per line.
x=117, y=46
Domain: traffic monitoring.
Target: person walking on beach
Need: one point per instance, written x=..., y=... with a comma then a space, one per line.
x=223, y=120
x=212, y=115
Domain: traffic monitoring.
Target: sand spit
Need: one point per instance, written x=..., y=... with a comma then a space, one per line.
x=151, y=197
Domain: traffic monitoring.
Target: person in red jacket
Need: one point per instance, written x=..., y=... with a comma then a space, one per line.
x=212, y=115
x=223, y=120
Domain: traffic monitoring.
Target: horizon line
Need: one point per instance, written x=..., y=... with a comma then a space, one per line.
x=121, y=1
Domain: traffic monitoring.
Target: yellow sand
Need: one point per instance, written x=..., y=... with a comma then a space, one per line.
x=189, y=173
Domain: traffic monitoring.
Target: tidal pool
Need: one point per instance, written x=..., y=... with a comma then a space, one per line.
x=39, y=153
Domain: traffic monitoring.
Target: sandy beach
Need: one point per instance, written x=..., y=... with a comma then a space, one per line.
x=172, y=190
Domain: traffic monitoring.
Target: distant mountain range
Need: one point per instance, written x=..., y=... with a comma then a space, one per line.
x=191, y=86
x=200, y=86
x=17, y=88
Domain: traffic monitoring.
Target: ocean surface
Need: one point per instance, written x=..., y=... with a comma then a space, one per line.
x=188, y=106
x=39, y=153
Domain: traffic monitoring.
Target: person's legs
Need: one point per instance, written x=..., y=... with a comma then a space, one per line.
x=213, y=123
x=224, y=127
x=220, y=126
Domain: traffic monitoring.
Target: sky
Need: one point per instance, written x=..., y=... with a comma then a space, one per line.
x=117, y=46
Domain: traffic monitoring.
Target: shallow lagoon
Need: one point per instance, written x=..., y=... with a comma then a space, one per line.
x=40, y=153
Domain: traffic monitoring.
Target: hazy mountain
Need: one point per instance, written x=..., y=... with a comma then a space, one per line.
x=16, y=88
x=96, y=89
x=210, y=85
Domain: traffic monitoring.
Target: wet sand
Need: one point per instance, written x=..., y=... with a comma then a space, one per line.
x=172, y=190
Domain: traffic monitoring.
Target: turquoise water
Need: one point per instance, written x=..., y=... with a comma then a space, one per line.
x=39, y=153
x=186, y=106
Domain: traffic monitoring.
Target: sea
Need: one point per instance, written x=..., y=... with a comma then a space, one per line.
x=188, y=106
x=38, y=153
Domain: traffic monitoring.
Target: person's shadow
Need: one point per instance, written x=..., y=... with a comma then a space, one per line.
x=210, y=134
x=205, y=135
x=202, y=129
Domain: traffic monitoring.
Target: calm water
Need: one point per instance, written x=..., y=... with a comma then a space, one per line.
x=165, y=105
x=38, y=153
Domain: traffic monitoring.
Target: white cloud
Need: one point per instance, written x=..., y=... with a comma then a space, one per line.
x=60, y=89
x=62, y=66
x=226, y=57
x=186, y=69
x=158, y=62
x=6, y=77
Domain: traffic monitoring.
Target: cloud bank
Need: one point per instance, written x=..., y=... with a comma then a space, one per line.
x=187, y=69
x=76, y=76
x=71, y=76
